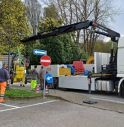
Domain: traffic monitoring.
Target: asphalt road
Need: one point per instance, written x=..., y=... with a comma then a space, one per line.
x=56, y=113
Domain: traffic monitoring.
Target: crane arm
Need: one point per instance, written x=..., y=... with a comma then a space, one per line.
x=74, y=27
x=107, y=32
x=60, y=30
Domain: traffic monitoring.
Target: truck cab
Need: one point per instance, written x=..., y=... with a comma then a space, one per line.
x=120, y=58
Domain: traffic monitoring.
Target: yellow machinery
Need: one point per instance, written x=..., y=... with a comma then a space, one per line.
x=19, y=74
x=64, y=71
x=90, y=60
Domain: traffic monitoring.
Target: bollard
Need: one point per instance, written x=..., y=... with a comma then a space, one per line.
x=37, y=89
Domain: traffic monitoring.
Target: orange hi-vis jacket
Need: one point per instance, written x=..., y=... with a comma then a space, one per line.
x=4, y=76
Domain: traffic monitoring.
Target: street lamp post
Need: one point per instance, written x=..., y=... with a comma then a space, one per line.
x=9, y=42
x=9, y=60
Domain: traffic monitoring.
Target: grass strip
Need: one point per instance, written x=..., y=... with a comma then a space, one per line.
x=21, y=93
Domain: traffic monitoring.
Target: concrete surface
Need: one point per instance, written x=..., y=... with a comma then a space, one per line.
x=112, y=103
x=105, y=102
x=58, y=113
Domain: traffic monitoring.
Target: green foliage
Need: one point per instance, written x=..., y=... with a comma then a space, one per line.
x=49, y=23
x=51, y=11
x=71, y=49
x=101, y=46
x=13, y=24
x=61, y=49
x=28, y=51
x=51, y=18
x=21, y=93
x=54, y=48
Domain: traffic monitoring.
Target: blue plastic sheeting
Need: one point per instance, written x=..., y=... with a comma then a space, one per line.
x=72, y=69
x=86, y=72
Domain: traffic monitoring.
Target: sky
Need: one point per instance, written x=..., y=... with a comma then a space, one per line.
x=118, y=23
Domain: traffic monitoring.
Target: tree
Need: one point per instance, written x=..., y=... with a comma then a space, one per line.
x=50, y=18
x=80, y=10
x=33, y=13
x=62, y=49
x=28, y=52
x=13, y=24
x=101, y=46
x=51, y=8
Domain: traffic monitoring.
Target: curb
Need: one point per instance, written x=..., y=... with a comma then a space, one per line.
x=21, y=98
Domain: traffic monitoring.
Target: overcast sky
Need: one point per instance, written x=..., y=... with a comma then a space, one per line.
x=118, y=23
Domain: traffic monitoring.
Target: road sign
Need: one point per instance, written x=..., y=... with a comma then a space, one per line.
x=39, y=52
x=49, y=78
x=45, y=60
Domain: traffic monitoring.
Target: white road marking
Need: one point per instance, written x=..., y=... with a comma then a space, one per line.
x=9, y=105
x=28, y=106
x=38, y=104
x=7, y=110
x=109, y=100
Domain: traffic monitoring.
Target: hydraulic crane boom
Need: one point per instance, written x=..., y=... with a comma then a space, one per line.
x=74, y=27
x=108, y=32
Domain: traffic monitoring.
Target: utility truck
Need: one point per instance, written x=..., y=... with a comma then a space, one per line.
x=112, y=74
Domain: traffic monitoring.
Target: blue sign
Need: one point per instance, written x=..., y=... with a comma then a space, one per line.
x=39, y=52
x=49, y=78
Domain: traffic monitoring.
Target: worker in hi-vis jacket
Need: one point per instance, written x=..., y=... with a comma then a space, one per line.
x=4, y=80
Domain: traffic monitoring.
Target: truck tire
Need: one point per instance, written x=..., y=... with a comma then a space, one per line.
x=116, y=87
x=122, y=90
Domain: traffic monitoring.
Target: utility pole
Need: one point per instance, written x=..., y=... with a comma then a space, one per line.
x=9, y=42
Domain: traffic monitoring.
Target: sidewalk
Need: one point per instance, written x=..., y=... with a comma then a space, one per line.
x=73, y=97
x=99, y=101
